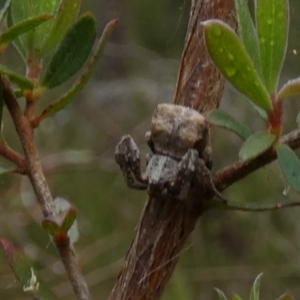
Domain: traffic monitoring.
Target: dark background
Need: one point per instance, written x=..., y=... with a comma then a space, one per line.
x=138, y=70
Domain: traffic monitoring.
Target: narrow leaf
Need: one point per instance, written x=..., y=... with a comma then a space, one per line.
x=290, y=165
x=17, y=42
x=256, y=144
x=291, y=88
x=272, y=20
x=248, y=33
x=29, y=44
x=67, y=13
x=16, y=30
x=254, y=294
x=22, y=82
x=24, y=271
x=262, y=113
x=72, y=52
x=298, y=119
x=220, y=294
x=80, y=83
x=4, y=8
x=249, y=206
x=222, y=119
x=230, y=56
x=1, y=112
x=236, y=297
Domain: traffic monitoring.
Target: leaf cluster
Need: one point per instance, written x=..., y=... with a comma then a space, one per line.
x=252, y=63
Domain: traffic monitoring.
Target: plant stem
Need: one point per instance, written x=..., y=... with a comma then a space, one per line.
x=240, y=169
x=34, y=171
x=12, y=156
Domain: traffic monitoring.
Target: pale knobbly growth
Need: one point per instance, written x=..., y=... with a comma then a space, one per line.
x=175, y=129
x=178, y=138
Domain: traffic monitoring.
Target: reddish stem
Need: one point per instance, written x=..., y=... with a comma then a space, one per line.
x=275, y=117
x=13, y=156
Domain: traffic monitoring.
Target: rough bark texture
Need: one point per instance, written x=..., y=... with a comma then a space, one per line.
x=200, y=84
x=166, y=223
x=164, y=227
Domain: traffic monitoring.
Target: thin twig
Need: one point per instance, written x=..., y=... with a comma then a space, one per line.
x=38, y=181
x=240, y=169
x=12, y=156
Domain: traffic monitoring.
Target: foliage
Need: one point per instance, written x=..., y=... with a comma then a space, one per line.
x=252, y=64
x=55, y=42
x=254, y=293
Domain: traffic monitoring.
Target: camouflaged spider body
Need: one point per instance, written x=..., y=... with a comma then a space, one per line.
x=175, y=129
x=178, y=139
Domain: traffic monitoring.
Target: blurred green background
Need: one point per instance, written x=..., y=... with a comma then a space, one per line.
x=138, y=70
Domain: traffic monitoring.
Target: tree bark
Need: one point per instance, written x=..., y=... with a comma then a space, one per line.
x=166, y=223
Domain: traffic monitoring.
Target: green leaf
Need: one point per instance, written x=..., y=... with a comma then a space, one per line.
x=20, y=28
x=222, y=119
x=72, y=52
x=67, y=13
x=233, y=61
x=290, y=165
x=291, y=88
x=254, y=294
x=68, y=218
x=67, y=215
x=262, y=113
x=25, y=272
x=298, y=119
x=256, y=144
x=29, y=44
x=80, y=83
x=4, y=171
x=286, y=296
x=249, y=206
x=236, y=297
x=4, y=7
x=220, y=294
x=52, y=225
x=1, y=113
x=272, y=21
x=22, y=82
x=248, y=33
x=17, y=42
x=62, y=222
